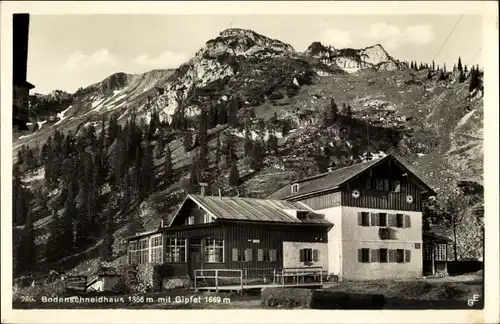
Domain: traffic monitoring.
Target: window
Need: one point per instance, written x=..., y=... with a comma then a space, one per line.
x=156, y=249
x=295, y=188
x=400, y=257
x=397, y=186
x=399, y=220
x=133, y=257
x=143, y=250
x=383, y=255
x=382, y=219
x=391, y=220
x=207, y=218
x=214, y=251
x=440, y=254
x=407, y=221
x=175, y=250
x=266, y=255
x=364, y=255
x=387, y=185
x=244, y=255
x=364, y=219
x=374, y=219
x=407, y=255
x=309, y=255
x=190, y=220
x=380, y=185
x=369, y=184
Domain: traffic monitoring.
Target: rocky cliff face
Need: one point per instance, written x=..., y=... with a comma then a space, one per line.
x=352, y=60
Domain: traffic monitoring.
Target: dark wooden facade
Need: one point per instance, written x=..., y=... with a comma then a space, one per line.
x=397, y=185
x=236, y=235
x=434, y=254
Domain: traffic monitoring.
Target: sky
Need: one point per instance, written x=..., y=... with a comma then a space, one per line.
x=71, y=51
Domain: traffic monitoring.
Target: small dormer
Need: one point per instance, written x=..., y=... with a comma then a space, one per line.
x=295, y=188
x=302, y=215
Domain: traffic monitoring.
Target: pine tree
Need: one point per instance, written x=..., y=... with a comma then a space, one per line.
x=232, y=111
x=234, y=176
x=256, y=156
x=454, y=68
x=429, y=75
x=442, y=77
x=465, y=69
x=461, y=77
x=26, y=251
x=221, y=114
x=194, y=176
x=229, y=152
x=433, y=66
x=459, y=65
x=187, y=141
x=168, y=169
x=444, y=67
x=107, y=247
x=474, y=79
x=218, y=151
x=203, y=142
x=248, y=144
x=147, y=172
x=331, y=113
x=160, y=146
x=272, y=143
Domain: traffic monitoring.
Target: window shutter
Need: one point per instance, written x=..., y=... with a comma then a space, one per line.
x=374, y=255
x=248, y=255
x=391, y=255
x=302, y=255
x=315, y=255
x=272, y=254
x=360, y=219
x=235, y=254
x=260, y=255
x=360, y=255
x=407, y=221
x=407, y=255
x=374, y=221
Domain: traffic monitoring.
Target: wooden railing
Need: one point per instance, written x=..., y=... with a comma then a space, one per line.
x=285, y=277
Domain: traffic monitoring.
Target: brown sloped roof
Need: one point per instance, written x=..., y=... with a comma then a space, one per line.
x=323, y=181
x=334, y=179
x=252, y=209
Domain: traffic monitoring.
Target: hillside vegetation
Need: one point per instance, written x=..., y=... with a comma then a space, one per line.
x=246, y=115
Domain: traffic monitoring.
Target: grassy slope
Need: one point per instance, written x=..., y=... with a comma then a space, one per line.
x=435, y=118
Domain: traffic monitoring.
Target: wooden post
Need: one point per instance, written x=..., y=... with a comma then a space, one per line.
x=216, y=280
x=195, y=280
x=241, y=282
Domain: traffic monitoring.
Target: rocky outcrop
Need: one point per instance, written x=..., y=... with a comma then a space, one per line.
x=348, y=58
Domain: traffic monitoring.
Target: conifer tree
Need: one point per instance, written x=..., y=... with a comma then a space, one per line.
x=247, y=145
x=147, y=172
x=433, y=66
x=107, y=247
x=256, y=156
x=203, y=141
x=221, y=114
x=465, y=69
x=272, y=143
x=168, y=170
x=232, y=111
x=218, y=151
x=229, y=151
x=187, y=140
x=234, y=177
x=26, y=251
x=459, y=64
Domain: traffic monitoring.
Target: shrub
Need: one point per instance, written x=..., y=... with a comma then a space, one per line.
x=286, y=297
x=319, y=299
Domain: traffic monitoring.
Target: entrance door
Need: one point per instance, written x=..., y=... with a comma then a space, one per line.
x=194, y=256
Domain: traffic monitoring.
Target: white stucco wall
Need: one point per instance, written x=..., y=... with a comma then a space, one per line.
x=334, y=215
x=291, y=254
x=355, y=237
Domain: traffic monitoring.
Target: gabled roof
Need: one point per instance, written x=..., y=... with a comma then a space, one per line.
x=334, y=179
x=252, y=209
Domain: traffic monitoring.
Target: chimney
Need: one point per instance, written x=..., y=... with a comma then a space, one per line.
x=202, y=188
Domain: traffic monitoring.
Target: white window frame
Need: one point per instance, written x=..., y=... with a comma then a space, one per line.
x=295, y=188
x=143, y=249
x=207, y=218
x=191, y=220
x=178, y=243
x=154, y=256
x=217, y=244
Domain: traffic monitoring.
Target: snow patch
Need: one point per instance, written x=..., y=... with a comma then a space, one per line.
x=61, y=115
x=40, y=124
x=26, y=136
x=351, y=69
x=420, y=154
x=466, y=117
x=37, y=175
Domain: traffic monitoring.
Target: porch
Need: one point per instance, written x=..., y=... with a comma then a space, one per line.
x=435, y=254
